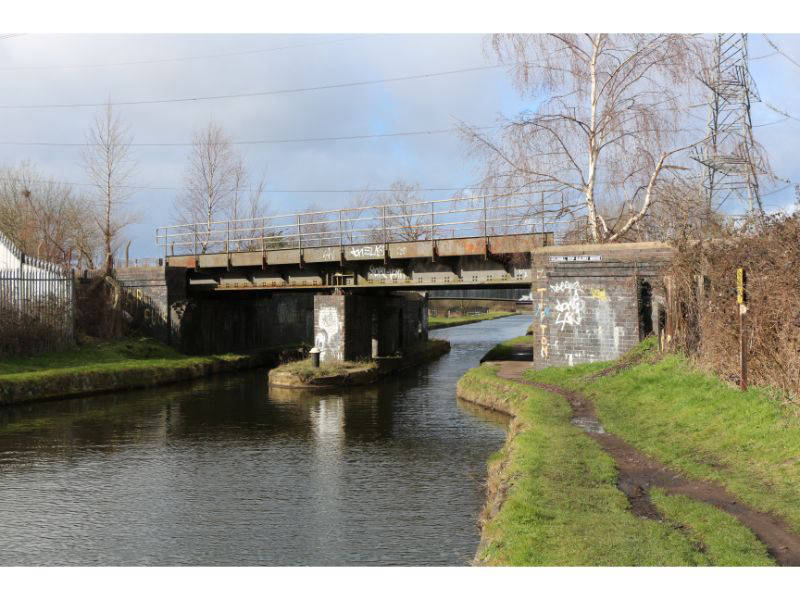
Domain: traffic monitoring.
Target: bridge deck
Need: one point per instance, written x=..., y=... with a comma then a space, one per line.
x=455, y=262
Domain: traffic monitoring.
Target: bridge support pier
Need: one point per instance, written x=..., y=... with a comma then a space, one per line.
x=363, y=326
x=595, y=302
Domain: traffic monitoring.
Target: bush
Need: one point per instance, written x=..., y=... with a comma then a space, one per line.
x=706, y=315
x=39, y=327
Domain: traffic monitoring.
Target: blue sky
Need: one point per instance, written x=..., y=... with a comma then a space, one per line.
x=33, y=70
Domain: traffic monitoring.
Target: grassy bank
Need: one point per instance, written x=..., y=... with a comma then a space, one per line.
x=553, y=496
x=441, y=322
x=506, y=350
x=108, y=366
x=689, y=420
x=300, y=373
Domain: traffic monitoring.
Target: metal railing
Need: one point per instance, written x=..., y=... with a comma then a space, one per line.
x=37, y=309
x=472, y=216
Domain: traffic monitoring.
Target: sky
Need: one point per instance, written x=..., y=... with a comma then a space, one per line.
x=38, y=69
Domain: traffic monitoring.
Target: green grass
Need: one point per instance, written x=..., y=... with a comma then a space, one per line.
x=563, y=506
x=305, y=372
x=99, y=357
x=724, y=540
x=439, y=322
x=689, y=420
x=504, y=350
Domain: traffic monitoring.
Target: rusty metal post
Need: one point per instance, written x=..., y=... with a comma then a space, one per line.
x=385, y=238
x=432, y=218
x=341, y=233
x=741, y=300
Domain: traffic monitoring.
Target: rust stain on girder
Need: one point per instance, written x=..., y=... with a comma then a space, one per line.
x=397, y=250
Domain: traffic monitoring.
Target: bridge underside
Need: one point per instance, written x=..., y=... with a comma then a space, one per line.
x=492, y=261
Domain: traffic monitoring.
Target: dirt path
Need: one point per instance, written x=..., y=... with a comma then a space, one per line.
x=638, y=473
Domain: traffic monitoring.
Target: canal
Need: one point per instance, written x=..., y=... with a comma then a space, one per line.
x=223, y=472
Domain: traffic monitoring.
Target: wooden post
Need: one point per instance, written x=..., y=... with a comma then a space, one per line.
x=741, y=300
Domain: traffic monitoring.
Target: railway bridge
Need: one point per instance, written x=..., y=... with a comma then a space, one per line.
x=353, y=282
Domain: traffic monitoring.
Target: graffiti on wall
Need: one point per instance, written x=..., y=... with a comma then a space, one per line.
x=571, y=310
x=374, y=251
x=326, y=336
x=380, y=273
x=542, y=311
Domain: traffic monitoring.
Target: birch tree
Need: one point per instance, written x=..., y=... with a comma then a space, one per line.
x=218, y=187
x=109, y=166
x=208, y=181
x=609, y=120
x=246, y=210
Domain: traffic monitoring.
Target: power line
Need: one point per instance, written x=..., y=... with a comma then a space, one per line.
x=783, y=113
x=272, y=141
x=281, y=191
x=788, y=185
x=772, y=122
x=187, y=58
x=781, y=52
x=264, y=93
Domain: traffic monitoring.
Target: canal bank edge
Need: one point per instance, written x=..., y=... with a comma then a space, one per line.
x=551, y=482
x=496, y=397
x=434, y=323
x=72, y=383
x=358, y=373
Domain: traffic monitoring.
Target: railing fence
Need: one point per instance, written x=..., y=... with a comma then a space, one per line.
x=474, y=216
x=37, y=306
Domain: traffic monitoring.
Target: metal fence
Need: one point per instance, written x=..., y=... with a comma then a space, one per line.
x=472, y=216
x=37, y=307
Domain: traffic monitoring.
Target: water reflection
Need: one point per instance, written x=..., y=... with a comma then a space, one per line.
x=225, y=471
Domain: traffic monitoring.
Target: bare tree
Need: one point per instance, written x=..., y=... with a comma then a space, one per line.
x=407, y=219
x=46, y=218
x=362, y=219
x=109, y=166
x=208, y=181
x=611, y=116
x=246, y=209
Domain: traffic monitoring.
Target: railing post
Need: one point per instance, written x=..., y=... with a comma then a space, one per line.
x=432, y=218
x=341, y=233
x=299, y=233
x=194, y=242
x=385, y=238
x=485, y=230
x=227, y=236
x=165, y=245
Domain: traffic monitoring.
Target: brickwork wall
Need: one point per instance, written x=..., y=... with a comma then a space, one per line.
x=589, y=310
x=146, y=299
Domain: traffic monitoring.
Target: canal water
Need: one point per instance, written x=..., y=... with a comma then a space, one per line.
x=225, y=472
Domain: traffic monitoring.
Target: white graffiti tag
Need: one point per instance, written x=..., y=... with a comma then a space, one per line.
x=366, y=251
x=570, y=311
x=563, y=286
x=326, y=336
x=378, y=273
